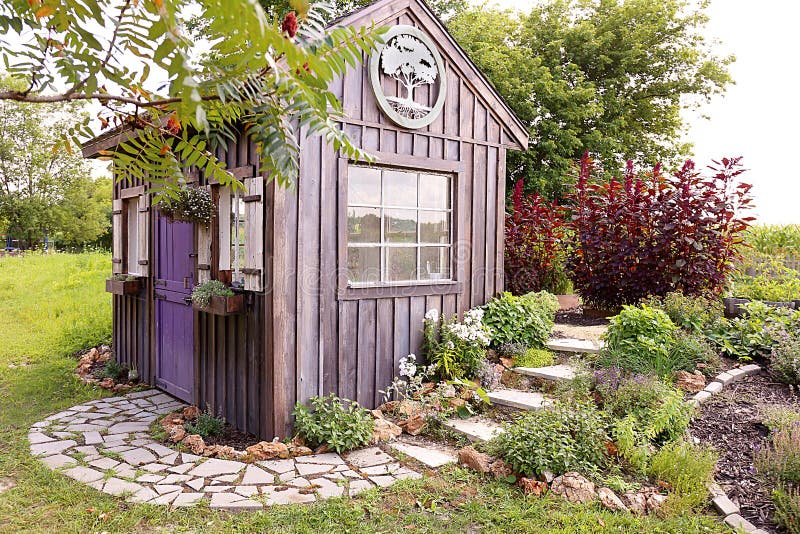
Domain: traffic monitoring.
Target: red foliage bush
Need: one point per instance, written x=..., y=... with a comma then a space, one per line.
x=649, y=234
x=534, y=244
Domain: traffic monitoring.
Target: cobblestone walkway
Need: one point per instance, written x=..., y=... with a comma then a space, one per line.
x=106, y=444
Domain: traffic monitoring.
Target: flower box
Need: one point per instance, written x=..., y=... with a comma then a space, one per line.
x=734, y=305
x=123, y=287
x=223, y=305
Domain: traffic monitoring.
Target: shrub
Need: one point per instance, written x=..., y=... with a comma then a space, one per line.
x=112, y=369
x=691, y=349
x=340, y=424
x=787, y=508
x=785, y=357
x=688, y=469
x=456, y=349
x=643, y=411
x=565, y=437
x=526, y=319
x=780, y=419
x=201, y=295
x=206, y=424
x=780, y=460
x=640, y=339
x=535, y=245
x=754, y=334
x=649, y=234
x=535, y=358
x=696, y=314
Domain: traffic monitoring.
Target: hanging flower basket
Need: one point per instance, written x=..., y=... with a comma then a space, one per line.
x=124, y=285
x=190, y=204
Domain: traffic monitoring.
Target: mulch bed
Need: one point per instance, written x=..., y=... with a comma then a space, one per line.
x=732, y=422
x=234, y=438
x=574, y=316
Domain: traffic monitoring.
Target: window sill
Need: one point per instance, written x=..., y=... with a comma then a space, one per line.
x=399, y=290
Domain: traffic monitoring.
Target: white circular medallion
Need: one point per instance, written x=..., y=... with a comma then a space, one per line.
x=409, y=57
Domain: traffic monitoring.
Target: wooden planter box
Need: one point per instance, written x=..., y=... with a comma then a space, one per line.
x=123, y=287
x=600, y=313
x=733, y=305
x=223, y=305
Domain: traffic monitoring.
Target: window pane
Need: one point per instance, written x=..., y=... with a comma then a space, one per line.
x=399, y=189
x=364, y=225
x=434, y=263
x=434, y=191
x=434, y=227
x=364, y=265
x=401, y=264
x=364, y=186
x=400, y=226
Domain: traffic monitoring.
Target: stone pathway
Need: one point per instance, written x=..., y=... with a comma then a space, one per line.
x=585, y=346
x=556, y=373
x=523, y=400
x=106, y=444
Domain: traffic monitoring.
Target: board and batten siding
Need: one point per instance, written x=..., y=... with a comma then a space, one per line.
x=326, y=344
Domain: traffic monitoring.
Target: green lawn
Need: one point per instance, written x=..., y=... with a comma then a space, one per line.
x=52, y=306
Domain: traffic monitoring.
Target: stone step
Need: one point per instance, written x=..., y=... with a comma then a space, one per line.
x=430, y=456
x=574, y=345
x=523, y=400
x=475, y=428
x=556, y=373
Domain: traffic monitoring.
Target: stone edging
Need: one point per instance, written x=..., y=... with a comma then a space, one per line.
x=726, y=507
x=105, y=443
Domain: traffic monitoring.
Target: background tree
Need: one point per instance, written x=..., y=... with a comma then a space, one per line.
x=46, y=192
x=605, y=76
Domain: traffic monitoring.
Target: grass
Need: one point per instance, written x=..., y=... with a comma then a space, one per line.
x=61, y=301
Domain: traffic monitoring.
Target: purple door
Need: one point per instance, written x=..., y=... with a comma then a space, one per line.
x=174, y=315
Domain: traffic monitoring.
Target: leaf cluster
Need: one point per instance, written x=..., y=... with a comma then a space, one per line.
x=754, y=334
x=340, y=424
x=201, y=294
x=527, y=319
x=206, y=424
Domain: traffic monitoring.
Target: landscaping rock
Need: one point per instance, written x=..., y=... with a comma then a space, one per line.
x=190, y=412
x=532, y=487
x=389, y=407
x=385, y=430
x=573, y=487
x=691, y=382
x=429, y=456
x=266, y=450
x=195, y=443
x=655, y=501
x=610, y=500
x=474, y=460
x=635, y=501
x=299, y=450
x=413, y=425
x=501, y=469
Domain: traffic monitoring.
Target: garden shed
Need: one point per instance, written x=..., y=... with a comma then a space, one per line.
x=337, y=273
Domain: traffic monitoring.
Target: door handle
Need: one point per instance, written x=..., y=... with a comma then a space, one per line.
x=187, y=300
x=185, y=282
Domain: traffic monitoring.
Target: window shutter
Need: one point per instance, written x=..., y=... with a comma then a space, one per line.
x=117, y=253
x=144, y=235
x=204, y=250
x=224, y=220
x=254, y=230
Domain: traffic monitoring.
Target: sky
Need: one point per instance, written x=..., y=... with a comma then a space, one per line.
x=758, y=117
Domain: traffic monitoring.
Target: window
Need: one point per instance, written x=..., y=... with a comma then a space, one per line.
x=399, y=226
x=130, y=218
x=238, y=237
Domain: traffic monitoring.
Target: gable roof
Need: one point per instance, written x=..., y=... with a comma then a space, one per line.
x=383, y=10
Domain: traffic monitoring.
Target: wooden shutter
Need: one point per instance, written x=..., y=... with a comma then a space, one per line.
x=224, y=237
x=118, y=241
x=254, y=230
x=144, y=235
x=204, y=250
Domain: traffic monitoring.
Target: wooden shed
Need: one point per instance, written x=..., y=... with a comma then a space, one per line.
x=338, y=273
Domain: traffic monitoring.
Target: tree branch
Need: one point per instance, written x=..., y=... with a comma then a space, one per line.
x=100, y=97
x=111, y=45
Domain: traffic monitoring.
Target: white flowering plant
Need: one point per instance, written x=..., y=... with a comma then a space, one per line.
x=188, y=203
x=456, y=348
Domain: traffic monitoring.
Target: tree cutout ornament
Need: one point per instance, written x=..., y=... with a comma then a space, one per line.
x=409, y=57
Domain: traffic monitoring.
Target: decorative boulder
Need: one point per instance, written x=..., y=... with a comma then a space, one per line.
x=267, y=450
x=610, y=500
x=176, y=433
x=413, y=425
x=190, y=412
x=691, y=382
x=573, y=487
x=474, y=459
x=385, y=430
x=195, y=443
x=635, y=501
x=501, y=469
x=532, y=487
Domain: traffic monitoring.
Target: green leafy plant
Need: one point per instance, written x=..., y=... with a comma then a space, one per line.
x=780, y=419
x=754, y=334
x=535, y=358
x=206, y=424
x=643, y=411
x=201, y=295
x=640, y=340
x=691, y=349
x=188, y=203
x=697, y=314
x=340, y=424
x=785, y=357
x=569, y=436
x=787, y=508
x=767, y=278
x=688, y=469
x=124, y=277
x=112, y=369
x=526, y=319
x=456, y=349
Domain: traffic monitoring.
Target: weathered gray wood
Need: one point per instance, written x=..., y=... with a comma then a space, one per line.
x=367, y=311
x=224, y=229
x=254, y=229
x=144, y=235
x=117, y=250
x=204, y=257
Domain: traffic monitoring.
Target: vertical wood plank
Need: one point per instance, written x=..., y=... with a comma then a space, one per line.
x=329, y=171
x=416, y=315
x=492, y=218
x=478, y=226
x=117, y=252
x=348, y=343
x=367, y=311
x=402, y=309
x=499, y=277
x=384, y=351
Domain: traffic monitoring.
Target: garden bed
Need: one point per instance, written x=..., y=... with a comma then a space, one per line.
x=575, y=316
x=733, y=423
